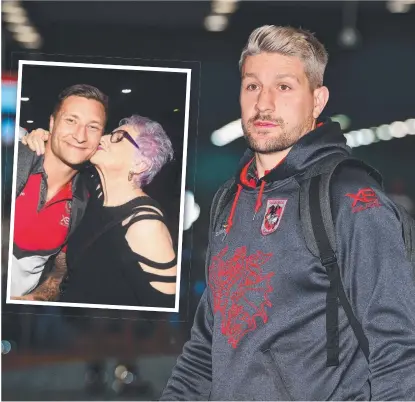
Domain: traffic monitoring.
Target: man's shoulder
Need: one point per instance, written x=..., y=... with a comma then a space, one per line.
x=26, y=160
x=25, y=155
x=355, y=192
x=227, y=185
x=351, y=178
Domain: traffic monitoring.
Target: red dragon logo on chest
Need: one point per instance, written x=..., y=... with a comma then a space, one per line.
x=240, y=291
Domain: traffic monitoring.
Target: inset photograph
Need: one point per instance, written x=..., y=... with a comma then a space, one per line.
x=98, y=186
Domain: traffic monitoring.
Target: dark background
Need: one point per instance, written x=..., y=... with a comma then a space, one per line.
x=372, y=83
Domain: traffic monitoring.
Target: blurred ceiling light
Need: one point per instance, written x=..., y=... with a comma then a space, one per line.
x=216, y=23
x=385, y=132
x=10, y=7
x=8, y=131
x=117, y=386
x=350, y=140
x=6, y=347
x=399, y=6
x=191, y=210
x=176, y=110
x=349, y=37
x=19, y=25
x=119, y=370
x=24, y=29
x=411, y=126
x=227, y=134
x=30, y=121
x=126, y=91
x=127, y=377
x=343, y=120
x=398, y=129
x=29, y=38
x=15, y=18
x=24, y=99
x=224, y=6
x=366, y=136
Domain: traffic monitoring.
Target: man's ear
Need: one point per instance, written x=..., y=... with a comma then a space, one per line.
x=321, y=97
x=51, y=123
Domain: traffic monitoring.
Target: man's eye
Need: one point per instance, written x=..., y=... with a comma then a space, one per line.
x=94, y=128
x=70, y=120
x=284, y=87
x=252, y=87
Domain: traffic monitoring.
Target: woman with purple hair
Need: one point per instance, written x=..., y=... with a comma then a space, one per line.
x=122, y=252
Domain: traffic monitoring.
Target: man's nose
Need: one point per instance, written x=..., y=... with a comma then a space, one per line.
x=80, y=134
x=265, y=101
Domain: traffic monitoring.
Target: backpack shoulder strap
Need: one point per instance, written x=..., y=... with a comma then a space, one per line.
x=220, y=200
x=319, y=233
x=326, y=170
x=408, y=233
x=335, y=291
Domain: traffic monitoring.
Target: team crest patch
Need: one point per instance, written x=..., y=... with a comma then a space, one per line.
x=273, y=215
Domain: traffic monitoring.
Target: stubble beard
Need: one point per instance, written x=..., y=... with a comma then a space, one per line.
x=59, y=154
x=277, y=142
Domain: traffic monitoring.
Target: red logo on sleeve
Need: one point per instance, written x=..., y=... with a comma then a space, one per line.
x=366, y=198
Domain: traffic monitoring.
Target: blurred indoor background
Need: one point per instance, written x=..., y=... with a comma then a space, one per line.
x=51, y=354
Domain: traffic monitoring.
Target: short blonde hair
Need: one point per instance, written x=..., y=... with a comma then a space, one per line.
x=289, y=41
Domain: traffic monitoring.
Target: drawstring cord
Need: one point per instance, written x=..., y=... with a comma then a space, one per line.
x=258, y=203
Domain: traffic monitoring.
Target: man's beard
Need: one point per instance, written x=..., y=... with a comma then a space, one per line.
x=282, y=141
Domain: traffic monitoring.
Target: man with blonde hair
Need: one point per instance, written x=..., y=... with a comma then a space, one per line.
x=310, y=293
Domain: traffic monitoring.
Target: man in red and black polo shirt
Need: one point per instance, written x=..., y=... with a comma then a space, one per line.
x=51, y=195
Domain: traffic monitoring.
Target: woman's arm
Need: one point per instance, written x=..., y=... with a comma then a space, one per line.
x=151, y=239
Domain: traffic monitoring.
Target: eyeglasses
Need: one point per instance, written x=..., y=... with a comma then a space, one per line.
x=118, y=135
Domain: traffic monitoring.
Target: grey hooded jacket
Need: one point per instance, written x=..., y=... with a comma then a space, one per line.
x=260, y=332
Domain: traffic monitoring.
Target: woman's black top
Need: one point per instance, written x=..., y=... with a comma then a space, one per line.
x=103, y=269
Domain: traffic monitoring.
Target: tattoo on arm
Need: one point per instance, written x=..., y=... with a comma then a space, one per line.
x=49, y=289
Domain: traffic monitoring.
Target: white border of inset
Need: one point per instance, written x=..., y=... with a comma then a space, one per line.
x=188, y=72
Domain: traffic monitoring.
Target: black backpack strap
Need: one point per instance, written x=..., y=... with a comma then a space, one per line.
x=319, y=233
x=336, y=291
x=326, y=168
x=219, y=202
x=408, y=233
x=221, y=199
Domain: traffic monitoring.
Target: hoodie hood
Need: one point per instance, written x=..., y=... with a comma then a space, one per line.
x=325, y=140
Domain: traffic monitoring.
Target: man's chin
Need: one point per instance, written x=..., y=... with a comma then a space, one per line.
x=267, y=151
x=76, y=164
x=266, y=148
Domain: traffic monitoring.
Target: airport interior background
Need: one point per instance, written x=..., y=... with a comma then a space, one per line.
x=52, y=354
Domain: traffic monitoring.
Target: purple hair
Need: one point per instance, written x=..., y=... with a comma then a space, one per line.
x=155, y=147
